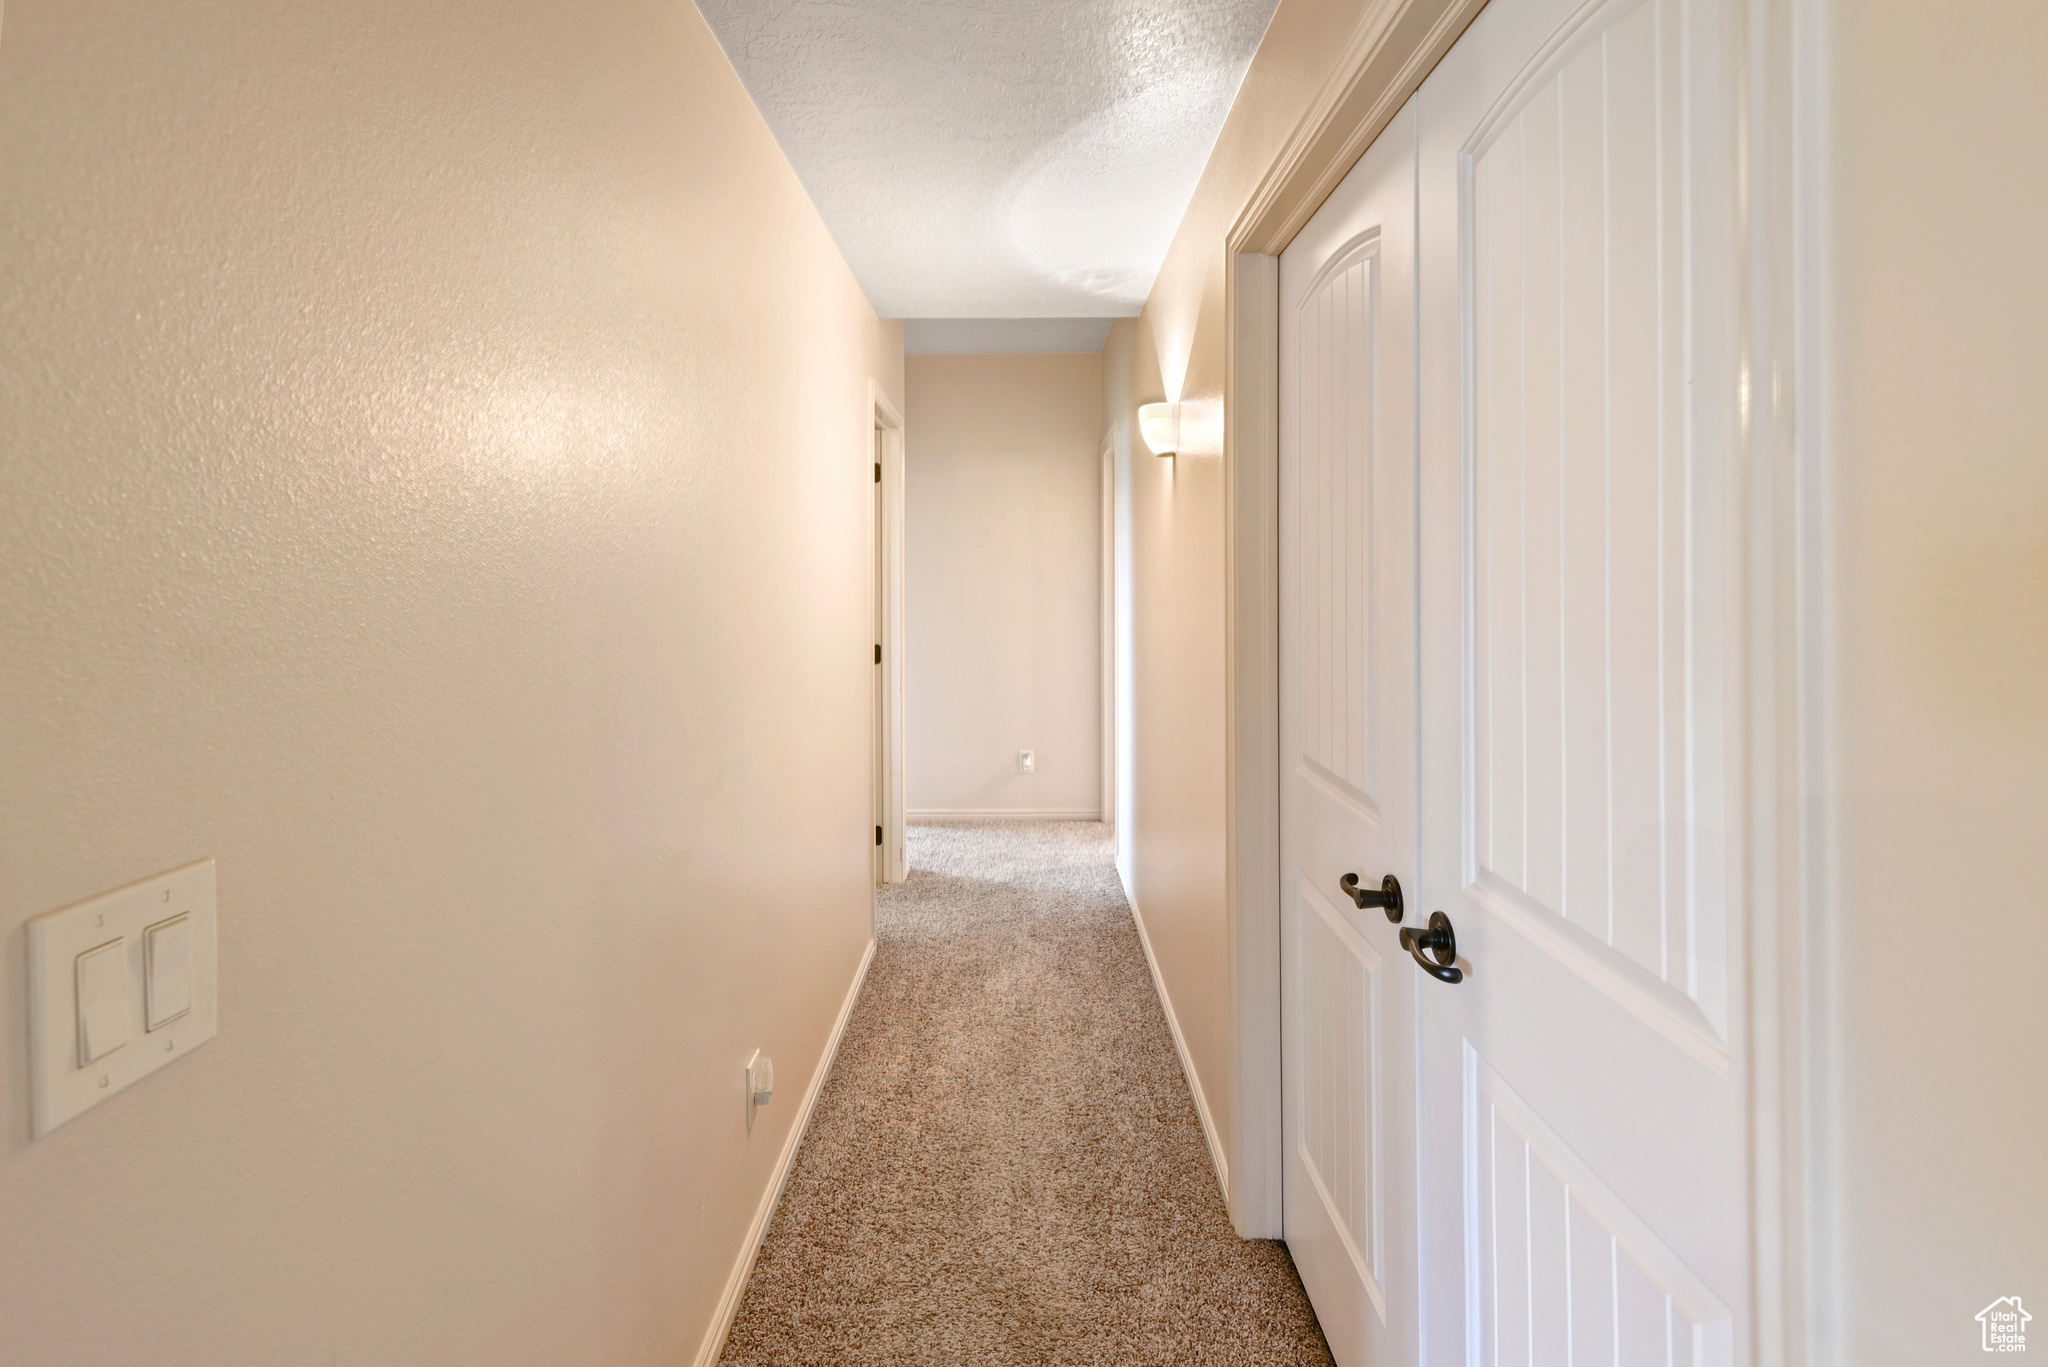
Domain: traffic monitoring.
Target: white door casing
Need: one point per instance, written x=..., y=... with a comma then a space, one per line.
x=879, y=593
x=1582, y=1145
x=887, y=602
x=1347, y=783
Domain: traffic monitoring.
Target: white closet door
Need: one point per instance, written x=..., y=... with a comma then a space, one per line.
x=1580, y=652
x=1347, y=671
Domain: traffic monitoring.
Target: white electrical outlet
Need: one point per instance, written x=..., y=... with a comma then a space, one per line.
x=118, y=986
x=1027, y=762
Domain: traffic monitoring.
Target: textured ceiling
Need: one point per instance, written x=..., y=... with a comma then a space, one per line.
x=1027, y=159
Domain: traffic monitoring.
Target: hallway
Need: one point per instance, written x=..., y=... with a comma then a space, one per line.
x=1144, y=682
x=1005, y=1165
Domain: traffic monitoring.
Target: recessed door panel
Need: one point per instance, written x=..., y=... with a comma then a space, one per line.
x=1339, y=1144
x=1589, y=510
x=1335, y=400
x=1564, y=1271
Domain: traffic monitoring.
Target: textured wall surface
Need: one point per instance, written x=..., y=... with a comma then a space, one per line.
x=1002, y=567
x=437, y=479
x=1174, y=350
x=1001, y=336
x=1021, y=160
x=1937, y=476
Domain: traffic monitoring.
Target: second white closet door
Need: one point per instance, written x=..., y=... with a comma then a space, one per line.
x=1347, y=717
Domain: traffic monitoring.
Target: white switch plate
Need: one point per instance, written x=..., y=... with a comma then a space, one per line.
x=760, y=1084
x=59, y=1086
x=1027, y=761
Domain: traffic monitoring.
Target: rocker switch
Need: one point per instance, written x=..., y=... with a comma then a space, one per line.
x=167, y=955
x=102, y=1001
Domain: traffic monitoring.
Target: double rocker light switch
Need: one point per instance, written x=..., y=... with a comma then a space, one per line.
x=118, y=986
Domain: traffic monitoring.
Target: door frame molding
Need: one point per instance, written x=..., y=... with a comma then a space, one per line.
x=1784, y=236
x=888, y=418
x=1391, y=49
x=1393, y=45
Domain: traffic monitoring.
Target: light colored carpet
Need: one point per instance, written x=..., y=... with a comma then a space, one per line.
x=1005, y=1165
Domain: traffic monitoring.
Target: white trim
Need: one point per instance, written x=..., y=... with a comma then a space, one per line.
x=1783, y=1070
x=1180, y=1044
x=889, y=419
x=1392, y=47
x=764, y=1215
x=924, y=814
x=1251, y=713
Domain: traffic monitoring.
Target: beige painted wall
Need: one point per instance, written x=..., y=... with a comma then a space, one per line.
x=437, y=479
x=1175, y=350
x=1937, y=476
x=1002, y=571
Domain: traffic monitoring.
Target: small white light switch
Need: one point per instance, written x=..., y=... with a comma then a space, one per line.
x=760, y=1083
x=103, y=1009
x=167, y=955
x=119, y=985
x=1026, y=762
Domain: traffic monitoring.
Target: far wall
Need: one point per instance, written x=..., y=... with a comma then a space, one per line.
x=1002, y=496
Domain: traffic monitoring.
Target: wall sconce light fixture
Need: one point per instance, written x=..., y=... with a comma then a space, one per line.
x=1159, y=424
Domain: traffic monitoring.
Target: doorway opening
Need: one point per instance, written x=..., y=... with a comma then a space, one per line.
x=886, y=620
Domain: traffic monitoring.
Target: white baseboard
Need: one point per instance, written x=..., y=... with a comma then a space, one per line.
x=1187, y=1063
x=743, y=1267
x=1002, y=814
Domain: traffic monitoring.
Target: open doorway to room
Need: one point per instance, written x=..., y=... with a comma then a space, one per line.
x=886, y=600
